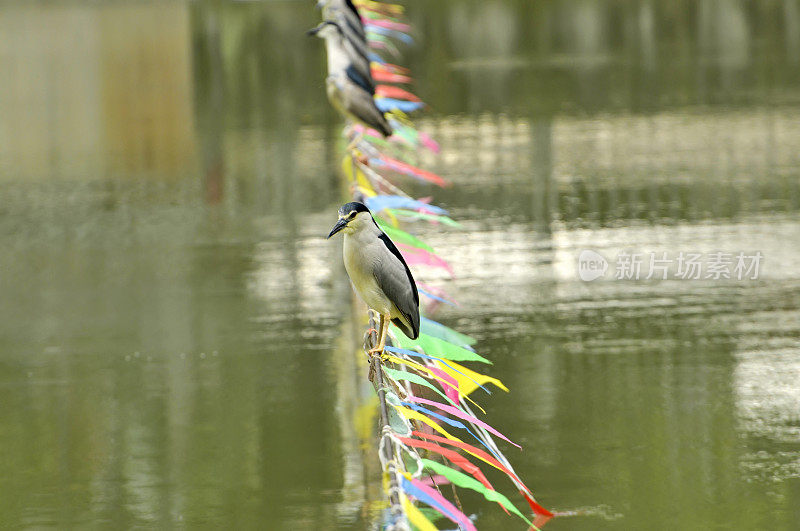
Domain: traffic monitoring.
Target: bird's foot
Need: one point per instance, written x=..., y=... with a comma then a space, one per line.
x=377, y=351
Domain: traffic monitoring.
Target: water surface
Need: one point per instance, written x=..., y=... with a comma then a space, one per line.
x=178, y=341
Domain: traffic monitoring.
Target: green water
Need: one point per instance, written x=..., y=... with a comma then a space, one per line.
x=178, y=339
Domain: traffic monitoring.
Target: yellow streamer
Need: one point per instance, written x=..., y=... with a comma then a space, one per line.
x=380, y=6
x=401, y=117
x=415, y=365
x=415, y=516
x=422, y=368
x=363, y=184
x=366, y=191
x=391, y=218
x=477, y=405
x=466, y=378
x=355, y=175
x=411, y=414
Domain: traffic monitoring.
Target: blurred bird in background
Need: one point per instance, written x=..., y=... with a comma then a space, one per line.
x=344, y=13
x=349, y=85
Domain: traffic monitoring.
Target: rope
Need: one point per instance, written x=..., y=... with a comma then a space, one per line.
x=387, y=451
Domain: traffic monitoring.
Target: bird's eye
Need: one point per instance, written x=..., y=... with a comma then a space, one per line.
x=351, y=215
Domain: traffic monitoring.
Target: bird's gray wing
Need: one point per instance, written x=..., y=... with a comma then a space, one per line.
x=355, y=16
x=358, y=79
x=359, y=63
x=352, y=31
x=361, y=105
x=348, y=10
x=395, y=280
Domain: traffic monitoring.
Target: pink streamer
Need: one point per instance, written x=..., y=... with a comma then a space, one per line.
x=460, y=414
x=358, y=129
x=463, y=521
x=397, y=139
x=435, y=480
x=428, y=142
x=389, y=24
x=407, y=169
x=451, y=391
x=415, y=256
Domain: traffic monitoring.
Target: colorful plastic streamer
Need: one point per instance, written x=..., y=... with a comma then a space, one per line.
x=458, y=413
x=462, y=480
x=381, y=202
x=427, y=495
x=432, y=363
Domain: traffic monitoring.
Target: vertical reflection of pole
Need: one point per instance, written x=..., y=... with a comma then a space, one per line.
x=352, y=399
x=544, y=190
x=648, y=46
x=791, y=21
x=210, y=107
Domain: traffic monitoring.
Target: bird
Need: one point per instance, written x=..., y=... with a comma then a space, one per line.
x=355, y=43
x=378, y=272
x=349, y=83
x=346, y=15
x=344, y=10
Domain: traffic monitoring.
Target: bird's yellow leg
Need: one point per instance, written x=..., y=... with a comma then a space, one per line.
x=384, y=325
x=384, y=329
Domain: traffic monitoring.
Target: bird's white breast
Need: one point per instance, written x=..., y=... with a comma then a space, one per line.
x=360, y=269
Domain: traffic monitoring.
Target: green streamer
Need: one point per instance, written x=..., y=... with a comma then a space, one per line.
x=463, y=480
x=395, y=375
x=432, y=328
x=424, y=215
x=433, y=346
x=402, y=236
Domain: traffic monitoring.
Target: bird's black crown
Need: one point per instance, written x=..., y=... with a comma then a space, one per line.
x=353, y=206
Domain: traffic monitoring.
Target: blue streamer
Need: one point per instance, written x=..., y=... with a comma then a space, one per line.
x=391, y=104
x=453, y=423
x=410, y=489
x=434, y=297
x=375, y=58
x=379, y=202
x=380, y=30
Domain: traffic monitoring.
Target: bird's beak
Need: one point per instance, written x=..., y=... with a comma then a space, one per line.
x=342, y=223
x=313, y=31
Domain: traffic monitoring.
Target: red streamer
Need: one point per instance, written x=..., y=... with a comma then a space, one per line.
x=538, y=509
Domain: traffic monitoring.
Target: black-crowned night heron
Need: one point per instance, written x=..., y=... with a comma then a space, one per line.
x=349, y=82
x=342, y=55
x=355, y=43
x=347, y=16
x=378, y=272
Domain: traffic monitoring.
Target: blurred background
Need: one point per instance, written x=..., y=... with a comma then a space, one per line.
x=175, y=330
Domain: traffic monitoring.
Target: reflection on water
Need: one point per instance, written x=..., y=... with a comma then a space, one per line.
x=177, y=340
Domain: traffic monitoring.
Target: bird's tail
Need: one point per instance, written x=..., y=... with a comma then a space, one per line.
x=407, y=330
